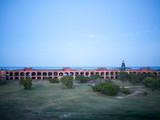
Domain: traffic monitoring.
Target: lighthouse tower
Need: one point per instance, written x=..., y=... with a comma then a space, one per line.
x=123, y=68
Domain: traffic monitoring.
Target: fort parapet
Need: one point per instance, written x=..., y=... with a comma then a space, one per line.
x=16, y=74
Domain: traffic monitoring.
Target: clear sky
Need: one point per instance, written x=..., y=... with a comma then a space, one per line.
x=79, y=32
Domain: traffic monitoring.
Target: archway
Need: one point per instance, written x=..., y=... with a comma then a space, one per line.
x=22, y=73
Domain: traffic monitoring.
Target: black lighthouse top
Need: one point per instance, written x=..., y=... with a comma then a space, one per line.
x=123, y=68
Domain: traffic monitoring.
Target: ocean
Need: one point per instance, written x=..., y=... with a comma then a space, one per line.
x=76, y=67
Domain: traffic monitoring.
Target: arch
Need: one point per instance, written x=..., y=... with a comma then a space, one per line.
x=71, y=73
x=33, y=74
x=97, y=73
x=55, y=73
x=81, y=73
x=38, y=73
x=22, y=74
x=155, y=74
x=112, y=77
x=76, y=73
x=16, y=74
x=44, y=74
x=102, y=77
x=116, y=77
x=50, y=74
x=102, y=73
x=144, y=72
x=16, y=78
x=28, y=74
x=112, y=73
x=92, y=73
x=11, y=74
x=116, y=73
x=60, y=74
x=87, y=73
x=39, y=78
x=33, y=78
x=11, y=78
x=66, y=73
x=107, y=73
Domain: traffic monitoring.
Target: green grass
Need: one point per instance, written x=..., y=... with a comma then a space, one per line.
x=51, y=101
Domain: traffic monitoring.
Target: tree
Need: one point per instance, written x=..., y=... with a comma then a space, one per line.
x=133, y=78
x=152, y=83
x=107, y=87
x=123, y=76
x=27, y=83
x=67, y=81
x=82, y=78
x=54, y=80
x=95, y=76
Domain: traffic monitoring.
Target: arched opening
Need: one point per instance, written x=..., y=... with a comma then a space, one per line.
x=60, y=74
x=155, y=74
x=76, y=73
x=50, y=77
x=112, y=77
x=28, y=74
x=102, y=77
x=87, y=73
x=49, y=74
x=22, y=73
x=39, y=78
x=112, y=73
x=39, y=74
x=44, y=74
x=71, y=73
x=33, y=78
x=116, y=73
x=33, y=74
x=102, y=73
x=116, y=77
x=66, y=73
x=134, y=72
x=16, y=78
x=55, y=73
x=92, y=73
x=107, y=73
x=11, y=78
x=144, y=72
x=82, y=73
x=97, y=73
x=11, y=74
x=16, y=74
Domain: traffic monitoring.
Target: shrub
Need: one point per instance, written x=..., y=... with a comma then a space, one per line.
x=27, y=83
x=125, y=90
x=95, y=76
x=54, y=80
x=152, y=83
x=82, y=78
x=107, y=87
x=145, y=93
x=67, y=81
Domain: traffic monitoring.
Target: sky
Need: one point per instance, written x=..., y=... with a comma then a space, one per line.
x=79, y=32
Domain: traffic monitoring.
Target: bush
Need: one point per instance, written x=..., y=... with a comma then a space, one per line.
x=107, y=87
x=67, y=81
x=82, y=78
x=95, y=76
x=54, y=80
x=152, y=83
x=145, y=93
x=27, y=83
x=125, y=90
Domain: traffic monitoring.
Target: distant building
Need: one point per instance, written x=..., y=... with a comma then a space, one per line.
x=123, y=68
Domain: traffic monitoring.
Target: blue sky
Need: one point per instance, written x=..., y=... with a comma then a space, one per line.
x=79, y=32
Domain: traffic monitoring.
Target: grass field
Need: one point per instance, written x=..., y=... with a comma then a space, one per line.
x=51, y=101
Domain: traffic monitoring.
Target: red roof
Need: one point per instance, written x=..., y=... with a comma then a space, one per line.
x=66, y=69
x=102, y=69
